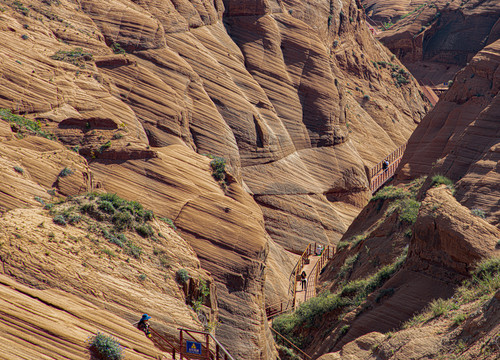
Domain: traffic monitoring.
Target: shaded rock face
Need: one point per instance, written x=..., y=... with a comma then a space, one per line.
x=459, y=139
x=447, y=242
x=289, y=96
x=441, y=36
x=461, y=136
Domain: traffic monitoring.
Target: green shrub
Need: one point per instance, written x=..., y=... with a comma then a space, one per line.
x=144, y=230
x=218, y=165
x=440, y=307
x=74, y=219
x=23, y=126
x=59, y=220
x=357, y=239
x=366, y=97
x=478, y=213
x=408, y=210
x=286, y=353
x=117, y=48
x=105, y=146
x=19, y=169
x=107, y=207
x=342, y=245
x=347, y=266
x=440, y=179
x=65, y=172
x=133, y=250
x=390, y=192
x=182, y=276
x=344, y=329
x=76, y=57
x=105, y=347
x=460, y=318
x=122, y=220
x=169, y=222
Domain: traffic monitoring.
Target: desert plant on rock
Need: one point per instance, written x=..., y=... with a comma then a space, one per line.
x=182, y=276
x=105, y=347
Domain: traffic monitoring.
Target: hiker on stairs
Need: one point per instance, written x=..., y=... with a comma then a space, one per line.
x=144, y=325
x=303, y=280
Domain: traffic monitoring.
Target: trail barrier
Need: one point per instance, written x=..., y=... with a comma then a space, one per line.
x=379, y=176
x=193, y=345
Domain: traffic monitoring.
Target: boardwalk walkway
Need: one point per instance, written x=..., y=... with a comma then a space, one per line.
x=379, y=176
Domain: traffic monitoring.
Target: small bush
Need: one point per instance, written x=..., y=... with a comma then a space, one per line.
x=23, y=126
x=59, y=220
x=460, y=318
x=144, y=230
x=25, y=37
x=107, y=207
x=440, y=307
x=478, y=213
x=342, y=245
x=65, y=172
x=19, y=169
x=122, y=220
x=105, y=347
x=105, y=146
x=344, y=329
x=218, y=166
x=390, y=192
x=133, y=250
x=74, y=219
x=76, y=57
x=169, y=222
x=182, y=276
x=366, y=97
x=408, y=210
x=347, y=266
x=440, y=179
x=117, y=48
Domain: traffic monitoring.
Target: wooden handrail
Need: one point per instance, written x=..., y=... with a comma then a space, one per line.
x=174, y=349
x=219, y=345
x=296, y=269
x=315, y=271
x=378, y=175
x=291, y=343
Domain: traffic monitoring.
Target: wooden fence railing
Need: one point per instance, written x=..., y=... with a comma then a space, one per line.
x=379, y=175
x=326, y=255
x=284, y=340
x=292, y=289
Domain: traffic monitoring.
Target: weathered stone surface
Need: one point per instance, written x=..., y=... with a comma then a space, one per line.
x=441, y=36
x=280, y=96
x=51, y=324
x=461, y=136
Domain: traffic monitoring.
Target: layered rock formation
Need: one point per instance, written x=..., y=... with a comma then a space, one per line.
x=455, y=228
x=461, y=136
x=434, y=40
x=287, y=92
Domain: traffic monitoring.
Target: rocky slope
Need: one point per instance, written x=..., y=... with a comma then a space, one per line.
x=287, y=92
x=446, y=225
x=436, y=39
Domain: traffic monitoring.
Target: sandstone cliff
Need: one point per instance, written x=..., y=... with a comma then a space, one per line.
x=436, y=39
x=287, y=92
x=377, y=287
